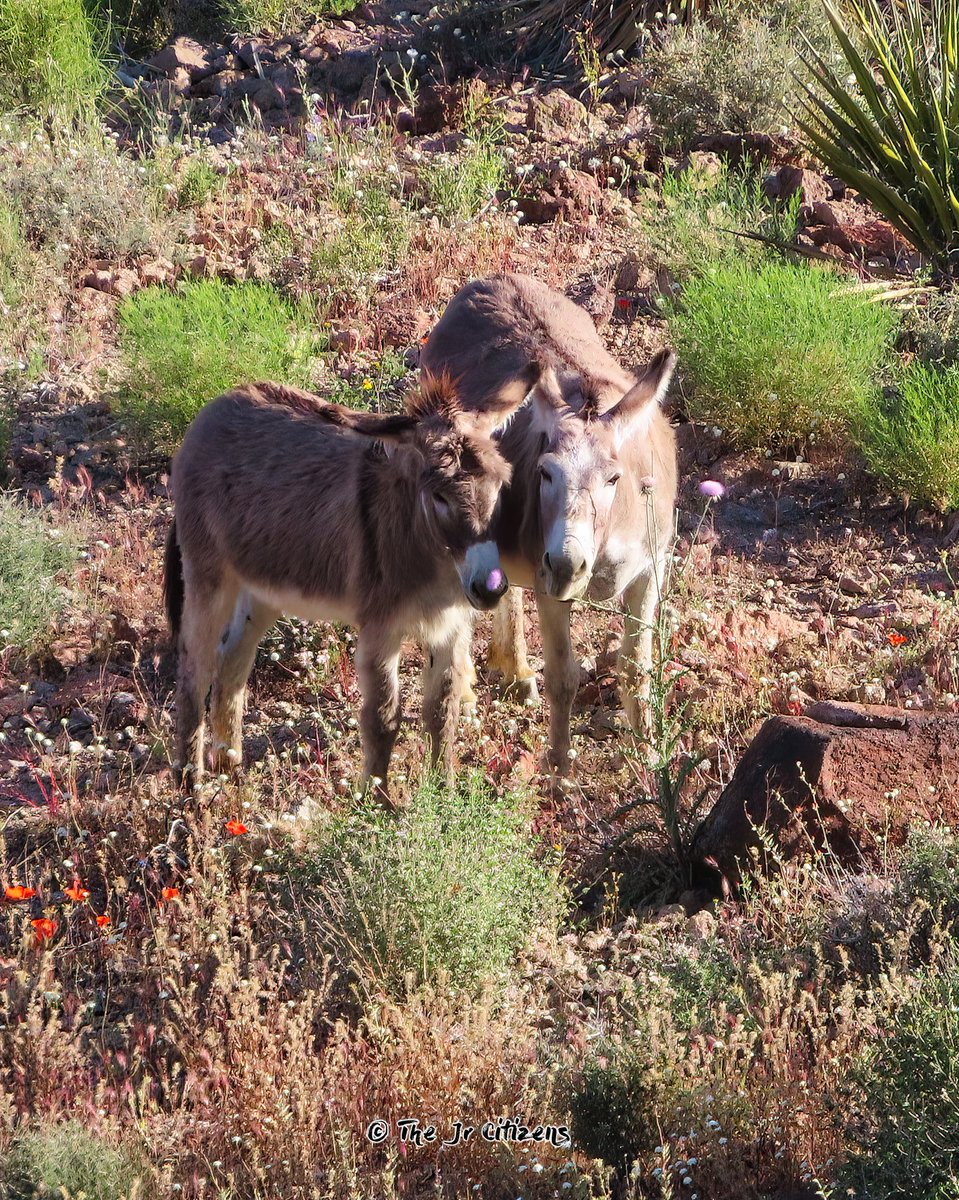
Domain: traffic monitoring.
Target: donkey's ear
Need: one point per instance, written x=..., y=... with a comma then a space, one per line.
x=396, y=427
x=499, y=408
x=548, y=401
x=650, y=388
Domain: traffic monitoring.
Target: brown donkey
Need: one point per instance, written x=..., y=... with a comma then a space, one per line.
x=287, y=505
x=589, y=510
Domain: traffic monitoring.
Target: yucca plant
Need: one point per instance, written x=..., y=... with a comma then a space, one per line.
x=894, y=137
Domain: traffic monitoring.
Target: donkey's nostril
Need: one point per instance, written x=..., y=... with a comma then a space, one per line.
x=546, y=562
x=494, y=580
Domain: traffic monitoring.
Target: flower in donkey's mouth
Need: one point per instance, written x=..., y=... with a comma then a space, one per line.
x=897, y=639
x=170, y=893
x=45, y=927
x=712, y=489
x=18, y=892
x=647, y=483
x=494, y=579
x=77, y=893
x=237, y=828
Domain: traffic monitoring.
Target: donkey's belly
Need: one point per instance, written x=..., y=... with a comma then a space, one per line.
x=293, y=603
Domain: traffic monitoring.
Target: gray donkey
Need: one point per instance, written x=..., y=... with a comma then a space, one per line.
x=285, y=504
x=589, y=511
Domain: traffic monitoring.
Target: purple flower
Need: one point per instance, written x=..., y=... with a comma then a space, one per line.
x=712, y=489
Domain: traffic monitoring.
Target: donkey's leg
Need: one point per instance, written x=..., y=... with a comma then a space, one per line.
x=237, y=650
x=636, y=652
x=466, y=678
x=207, y=604
x=377, y=665
x=445, y=674
x=507, y=651
x=561, y=676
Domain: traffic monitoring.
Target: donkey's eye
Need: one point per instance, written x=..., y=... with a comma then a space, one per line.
x=442, y=504
x=545, y=475
x=614, y=479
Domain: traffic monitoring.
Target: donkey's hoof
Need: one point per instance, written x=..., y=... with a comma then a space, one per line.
x=522, y=689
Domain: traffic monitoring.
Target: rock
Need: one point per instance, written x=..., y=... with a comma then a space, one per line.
x=123, y=709
x=557, y=116
x=704, y=165
x=184, y=54
x=788, y=180
x=570, y=195
x=847, y=777
x=345, y=340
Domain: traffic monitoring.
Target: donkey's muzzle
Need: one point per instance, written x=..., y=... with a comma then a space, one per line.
x=486, y=592
x=566, y=574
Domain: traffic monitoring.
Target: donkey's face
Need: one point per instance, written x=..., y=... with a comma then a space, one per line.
x=462, y=476
x=582, y=461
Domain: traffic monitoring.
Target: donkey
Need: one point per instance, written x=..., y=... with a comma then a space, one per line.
x=285, y=504
x=589, y=510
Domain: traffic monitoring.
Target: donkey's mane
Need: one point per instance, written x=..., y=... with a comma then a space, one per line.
x=371, y=424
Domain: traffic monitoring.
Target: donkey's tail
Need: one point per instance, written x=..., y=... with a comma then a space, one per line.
x=173, y=581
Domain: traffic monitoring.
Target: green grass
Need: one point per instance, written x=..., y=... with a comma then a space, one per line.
x=187, y=346
x=278, y=16
x=446, y=897
x=778, y=354
x=910, y=434
x=50, y=58
x=459, y=188
x=33, y=559
x=694, y=224
x=68, y=1160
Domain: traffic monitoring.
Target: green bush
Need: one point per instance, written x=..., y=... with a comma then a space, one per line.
x=447, y=897
x=50, y=58
x=185, y=347
x=910, y=1075
x=778, y=354
x=32, y=558
x=929, y=869
x=894, y=135
x=732, y=74
x=68, y=1160
x=910, y=435
x=459, y=187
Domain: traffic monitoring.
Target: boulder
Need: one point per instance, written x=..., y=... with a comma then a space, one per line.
x=784, y=183
x=844, y=777
x=558, y=117
x=184, y=55
x=570, y=196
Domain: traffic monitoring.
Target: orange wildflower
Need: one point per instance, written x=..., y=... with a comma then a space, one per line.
x=78, y=893
x=897, y=639
x=45, y=927
x=103, y=920
x=237, y=828
x=170, y=893
x=18, y=892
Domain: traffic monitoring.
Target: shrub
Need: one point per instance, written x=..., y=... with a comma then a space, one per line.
x=731, y=75
x=896, y=138
x=79, y=198
x=185, y=347
x=909, y=1074
x=910, y=435
x=69, y=1160
x=778, y=354
x=929, y=868
x=447, y=898
x=50, y=58
x=32, y=556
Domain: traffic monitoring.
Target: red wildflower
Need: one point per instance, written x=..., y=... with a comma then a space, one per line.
x=897, y=639
x=78, y=893
x=103, y=920
x=237, y=828
x=45, y=927
x=170, y=893
x=18, y=892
